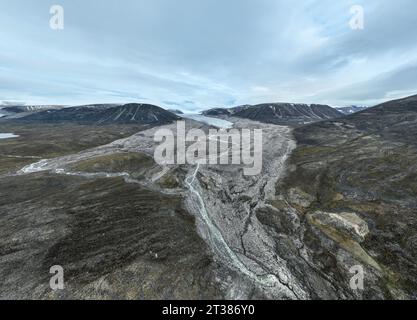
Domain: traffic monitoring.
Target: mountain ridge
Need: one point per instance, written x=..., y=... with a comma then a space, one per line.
x=278, y=113
x=132, y=113
x=283, y=113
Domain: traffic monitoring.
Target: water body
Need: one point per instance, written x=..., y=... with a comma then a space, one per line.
x=219, y=123
x=7, y=135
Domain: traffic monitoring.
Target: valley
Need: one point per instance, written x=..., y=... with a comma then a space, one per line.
x=208, y=158
x=331, y=195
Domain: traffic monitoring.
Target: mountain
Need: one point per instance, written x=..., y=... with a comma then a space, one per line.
x=394, y=120
x=351, y=109
x=26, y=109
x=342, y=195
x=125, y=114
x=362, y=167
x=217, y=112
x=101, y=105
x=224, y=111
x=285, y=113
x=15, y=109
x=176, y=111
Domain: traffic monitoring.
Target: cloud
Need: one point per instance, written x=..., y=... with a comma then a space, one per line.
x=207, y=53
x=387, y=86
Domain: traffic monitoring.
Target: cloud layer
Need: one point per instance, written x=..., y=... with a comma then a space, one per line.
x=193, y=55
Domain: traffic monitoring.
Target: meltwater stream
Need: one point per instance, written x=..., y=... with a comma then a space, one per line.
x=266, y=280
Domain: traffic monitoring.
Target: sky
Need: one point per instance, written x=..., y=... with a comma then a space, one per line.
x=198, y=54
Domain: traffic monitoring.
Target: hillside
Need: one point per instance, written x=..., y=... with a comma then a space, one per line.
x=364, y=164
x=126, y=114
x=284, y=113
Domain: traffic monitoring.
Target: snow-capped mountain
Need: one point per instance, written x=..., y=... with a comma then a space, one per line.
x=351, y=109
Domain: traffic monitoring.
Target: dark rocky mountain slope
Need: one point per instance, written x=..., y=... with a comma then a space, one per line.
x=217, y=112
x=214, y=112
x=283, y=113
x=126, y=114
x=365, y=165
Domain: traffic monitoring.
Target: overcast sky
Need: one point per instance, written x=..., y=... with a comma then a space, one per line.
x=196, y=54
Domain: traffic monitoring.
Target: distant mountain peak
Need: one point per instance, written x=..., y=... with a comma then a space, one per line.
x=352, y=109
x=131, y=113
x=283, y=113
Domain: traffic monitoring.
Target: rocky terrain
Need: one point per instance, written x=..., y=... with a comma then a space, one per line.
x=117, y=233
x=224, y=111
x=331, y=195
x=362, y=165
x=288, y=113
x=238, y=257
x=278, y=113
x=125, y=114
x=217, y=112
